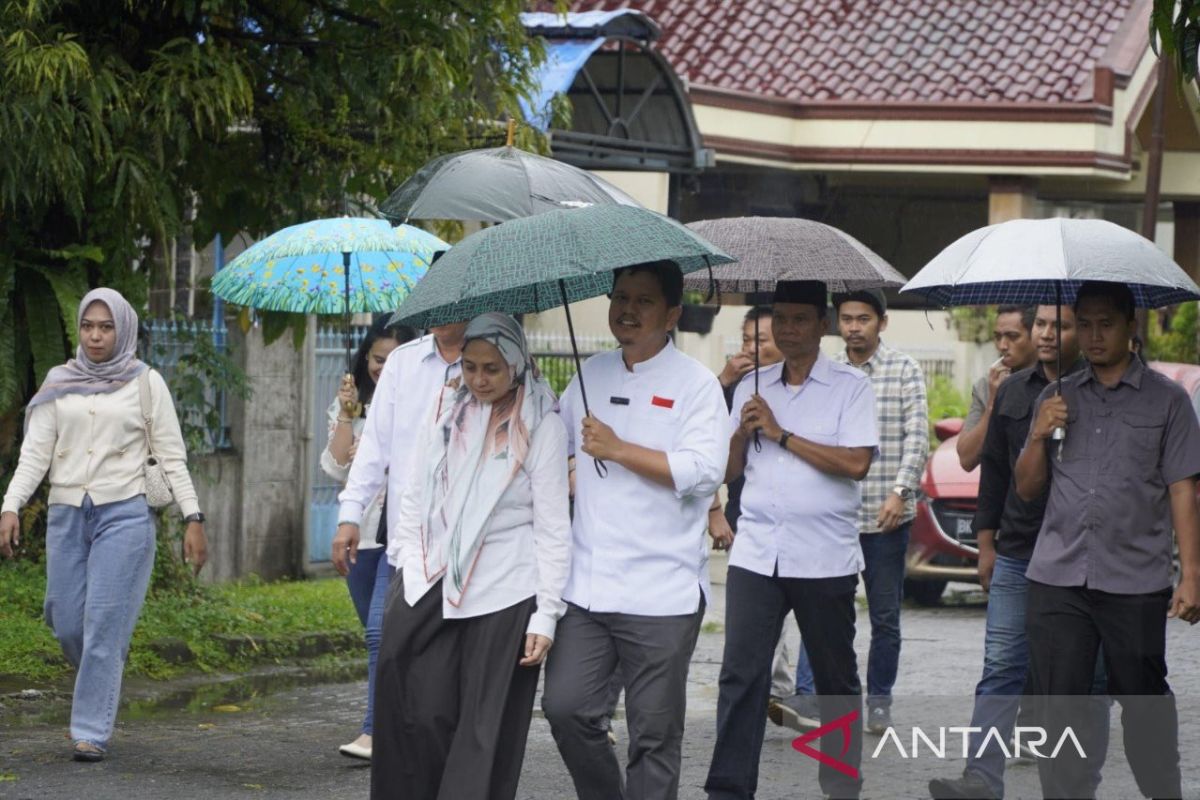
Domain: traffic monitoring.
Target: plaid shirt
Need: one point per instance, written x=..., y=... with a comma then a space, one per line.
x=903, y=414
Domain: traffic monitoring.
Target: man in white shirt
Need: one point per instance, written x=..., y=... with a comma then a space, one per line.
x=797, y=547
x=409, y=385
x=639, y=568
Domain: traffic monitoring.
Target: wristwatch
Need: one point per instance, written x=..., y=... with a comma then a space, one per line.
x=197, y=517
x=903, y=492
x=783, y=439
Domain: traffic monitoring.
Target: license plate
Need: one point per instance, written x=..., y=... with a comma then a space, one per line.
x=962, y=527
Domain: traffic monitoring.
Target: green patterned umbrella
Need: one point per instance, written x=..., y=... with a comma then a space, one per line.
x=540, y=262
x=555, y=258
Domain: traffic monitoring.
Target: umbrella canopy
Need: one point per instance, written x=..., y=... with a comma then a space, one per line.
x=303, y=268
x=1045, y=261
x=496, y=185
x=771, y=249
x=540, y=262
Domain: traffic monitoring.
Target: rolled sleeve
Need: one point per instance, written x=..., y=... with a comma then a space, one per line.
x=698, y=465
x=979, y=393
x=368, y=473
x=547, y=468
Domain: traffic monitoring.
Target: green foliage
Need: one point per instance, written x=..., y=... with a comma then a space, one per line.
x=196, y=614
x=974, y=323
x=125, y=123
x=1175, y=34
x=1179, y=342
x=945, y=401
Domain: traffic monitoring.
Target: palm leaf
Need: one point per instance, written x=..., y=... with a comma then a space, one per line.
x=46, y=342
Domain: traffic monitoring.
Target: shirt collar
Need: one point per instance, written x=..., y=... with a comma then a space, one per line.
x=655, y=361
x=433, y=352
x=1132, y=375
x=821, y=372
x=871, y=364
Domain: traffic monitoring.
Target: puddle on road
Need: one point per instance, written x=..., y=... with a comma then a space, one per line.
x=143, y=698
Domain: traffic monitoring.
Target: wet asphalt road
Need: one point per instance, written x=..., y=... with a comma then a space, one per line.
x=269, y=739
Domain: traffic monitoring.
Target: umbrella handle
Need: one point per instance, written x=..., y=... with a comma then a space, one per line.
x=601, y=467
x=757, y=439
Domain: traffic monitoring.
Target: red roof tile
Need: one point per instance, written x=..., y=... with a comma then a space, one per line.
x=901, y=50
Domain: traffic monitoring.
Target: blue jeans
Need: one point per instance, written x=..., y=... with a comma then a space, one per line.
x=368, y=584
x=98, y=563
x=1005, y=667
x=884, y=579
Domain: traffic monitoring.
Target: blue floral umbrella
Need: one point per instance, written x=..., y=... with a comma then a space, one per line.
x=330, y=266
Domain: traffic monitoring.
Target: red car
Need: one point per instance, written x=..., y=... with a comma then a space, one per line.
x=942, y=546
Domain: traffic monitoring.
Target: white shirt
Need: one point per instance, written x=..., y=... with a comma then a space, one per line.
x=794, y=516
x=639, y=546
x=95, y=445
x=402, y=406
x=525, y=549
x=369, y=525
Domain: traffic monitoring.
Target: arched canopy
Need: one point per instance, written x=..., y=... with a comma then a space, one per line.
x=629, y=110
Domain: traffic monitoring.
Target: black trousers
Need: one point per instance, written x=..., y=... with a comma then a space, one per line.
x=1066, y=627
x=452, y=707
x=755, y=608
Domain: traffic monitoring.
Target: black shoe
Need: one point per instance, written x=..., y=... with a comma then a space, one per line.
x=968, y=787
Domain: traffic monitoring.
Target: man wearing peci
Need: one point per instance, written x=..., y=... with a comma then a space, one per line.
x=639, y=570
x=797, y=547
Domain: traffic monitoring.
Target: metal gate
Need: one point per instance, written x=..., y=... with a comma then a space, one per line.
x=327, y=376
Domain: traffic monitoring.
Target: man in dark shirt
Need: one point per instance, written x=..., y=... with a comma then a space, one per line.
x=1100, y=574
x=1007, y=528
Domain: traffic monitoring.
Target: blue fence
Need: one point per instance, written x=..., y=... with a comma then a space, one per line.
x=166, y=341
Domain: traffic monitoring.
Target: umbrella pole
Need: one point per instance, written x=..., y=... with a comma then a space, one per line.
x=601, y=468
x=346, y=275
x=1059, y=433
x=757, y=441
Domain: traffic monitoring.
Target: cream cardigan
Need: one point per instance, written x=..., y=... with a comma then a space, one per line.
x=96, y=445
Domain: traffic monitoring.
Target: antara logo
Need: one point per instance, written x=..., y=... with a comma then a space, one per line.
x=1029, y=737
x=842, y=723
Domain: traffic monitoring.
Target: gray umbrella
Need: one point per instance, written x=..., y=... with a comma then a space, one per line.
x=496, y=185
x=771, y=249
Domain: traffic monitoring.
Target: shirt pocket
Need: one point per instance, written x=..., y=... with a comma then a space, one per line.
x=1139, y=435
x=656, y=427
x=821, y=431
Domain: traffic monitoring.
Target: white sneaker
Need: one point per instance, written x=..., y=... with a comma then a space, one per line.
x=359, y=748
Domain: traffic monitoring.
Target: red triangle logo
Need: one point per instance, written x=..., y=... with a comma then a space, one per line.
x=842, y=723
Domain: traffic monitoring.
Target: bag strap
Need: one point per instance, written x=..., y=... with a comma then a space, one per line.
x=147, y=413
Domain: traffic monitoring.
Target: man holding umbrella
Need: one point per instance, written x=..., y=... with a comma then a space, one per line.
x=1100, y=574
x=639, y=575
x=797, y=547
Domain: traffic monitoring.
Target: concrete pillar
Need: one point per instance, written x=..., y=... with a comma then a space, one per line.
x=1187, y=237
x=1010, y=197
x=263, y=514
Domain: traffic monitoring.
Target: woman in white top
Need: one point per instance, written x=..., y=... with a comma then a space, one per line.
x=367, y=571
x=483, y=544
x=85, y=426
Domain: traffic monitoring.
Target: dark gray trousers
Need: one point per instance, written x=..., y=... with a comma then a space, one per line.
x=651, y=656
x=452, y=707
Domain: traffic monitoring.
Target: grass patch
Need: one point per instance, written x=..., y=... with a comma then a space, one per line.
x=195, y=614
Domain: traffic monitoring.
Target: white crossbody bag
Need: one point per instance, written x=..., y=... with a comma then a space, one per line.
x=158, y=488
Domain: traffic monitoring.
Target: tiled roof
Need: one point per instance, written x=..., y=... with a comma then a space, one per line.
x=902, y=51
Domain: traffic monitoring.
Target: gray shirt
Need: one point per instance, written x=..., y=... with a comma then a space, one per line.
x=1108, y=517
x=979, y=400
